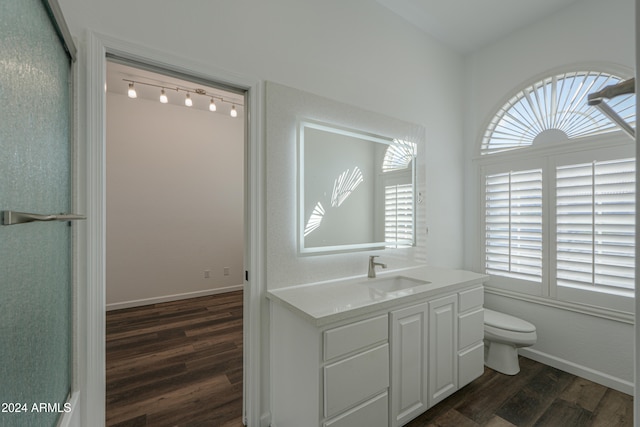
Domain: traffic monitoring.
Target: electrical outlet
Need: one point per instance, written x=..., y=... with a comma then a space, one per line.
x=207, y=274
x=226, y=271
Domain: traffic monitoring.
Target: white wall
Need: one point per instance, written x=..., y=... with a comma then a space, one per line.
x=175, y=194
x=589, y=32
x=356, y=52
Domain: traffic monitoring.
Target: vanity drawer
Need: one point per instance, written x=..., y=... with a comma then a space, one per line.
x=355, y=336
x=470, y=364
x=470, y=328
x=372, y=413
x=471, y=298
x=355, y=379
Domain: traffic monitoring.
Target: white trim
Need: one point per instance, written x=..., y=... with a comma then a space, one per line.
x=94, y=357
x=79, y=257
x=636, y=401
x=256, y=329
x=609, y=140
x=175, y=297
x=579, y=370
x=618, y=316
x=94, y=383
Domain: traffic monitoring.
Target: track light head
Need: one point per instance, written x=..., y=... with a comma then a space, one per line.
x=132, y=91
x=163, y=97
x=188, y=101
x=233, y=112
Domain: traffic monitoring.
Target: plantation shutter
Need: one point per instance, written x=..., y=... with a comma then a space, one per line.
x=595, y=224
x=513, y=224
x=398, y=213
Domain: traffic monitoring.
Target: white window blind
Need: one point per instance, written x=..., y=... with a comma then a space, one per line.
x=513, y=224
x=595, y=224
x=398, y=213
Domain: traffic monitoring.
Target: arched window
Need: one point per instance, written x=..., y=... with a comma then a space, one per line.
x=558, y=193
x=555, y=109
x=399, y=155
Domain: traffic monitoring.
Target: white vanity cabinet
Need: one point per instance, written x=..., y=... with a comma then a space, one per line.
x=356, y=374
x=336, y=376
x=436, y=348
x=376, y=365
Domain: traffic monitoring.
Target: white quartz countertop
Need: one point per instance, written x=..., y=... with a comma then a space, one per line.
x=334, y=300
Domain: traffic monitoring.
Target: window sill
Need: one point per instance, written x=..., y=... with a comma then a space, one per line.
x=605, y=313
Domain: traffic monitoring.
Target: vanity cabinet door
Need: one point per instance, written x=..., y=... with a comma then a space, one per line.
x=443, y=348
x=409, y=393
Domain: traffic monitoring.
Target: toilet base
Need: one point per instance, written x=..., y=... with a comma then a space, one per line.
x=502, y=358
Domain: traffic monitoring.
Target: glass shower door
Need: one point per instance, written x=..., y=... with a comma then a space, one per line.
x=35, y=177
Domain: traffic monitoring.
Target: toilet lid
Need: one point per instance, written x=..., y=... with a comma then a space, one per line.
x=506, y=322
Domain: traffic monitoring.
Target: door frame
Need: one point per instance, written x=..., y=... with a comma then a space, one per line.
x=92, y=316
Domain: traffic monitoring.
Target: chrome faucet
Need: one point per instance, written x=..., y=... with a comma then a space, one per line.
x=372, y=266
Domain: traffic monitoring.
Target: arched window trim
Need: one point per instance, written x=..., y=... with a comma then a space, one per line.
x=543, y=109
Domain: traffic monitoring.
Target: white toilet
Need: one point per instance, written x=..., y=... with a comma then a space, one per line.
x=503, y=335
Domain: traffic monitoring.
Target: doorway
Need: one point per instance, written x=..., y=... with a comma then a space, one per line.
x=175, y=192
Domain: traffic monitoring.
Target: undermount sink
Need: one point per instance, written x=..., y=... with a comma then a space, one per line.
x=395, y=283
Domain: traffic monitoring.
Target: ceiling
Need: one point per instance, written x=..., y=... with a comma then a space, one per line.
x=119, y=75
x=467, y=25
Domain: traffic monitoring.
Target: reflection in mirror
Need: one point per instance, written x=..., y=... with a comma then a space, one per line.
x=355, y=190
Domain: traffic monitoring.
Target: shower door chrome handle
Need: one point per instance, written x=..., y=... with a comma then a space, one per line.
x=13, y=217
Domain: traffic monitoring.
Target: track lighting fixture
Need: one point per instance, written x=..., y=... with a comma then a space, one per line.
x=132, y=91
x=188, y=101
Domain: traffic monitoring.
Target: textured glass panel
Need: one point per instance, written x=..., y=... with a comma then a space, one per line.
x=35, y=302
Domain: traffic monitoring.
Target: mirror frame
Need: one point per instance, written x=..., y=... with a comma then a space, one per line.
x=303, y=123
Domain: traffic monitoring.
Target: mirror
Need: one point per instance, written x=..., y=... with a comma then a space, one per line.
x=355, y=190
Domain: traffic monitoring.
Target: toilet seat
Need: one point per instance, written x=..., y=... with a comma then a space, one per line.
x=497, y=320
x=515, y=339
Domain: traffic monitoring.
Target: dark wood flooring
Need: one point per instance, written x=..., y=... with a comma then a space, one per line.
x=180, y=364
x=539, y=396
x=176, y=364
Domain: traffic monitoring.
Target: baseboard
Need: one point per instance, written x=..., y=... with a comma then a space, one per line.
x=175, y=297
x=578, y=370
